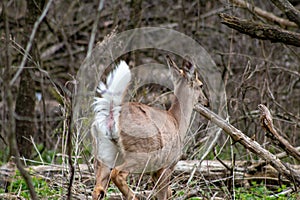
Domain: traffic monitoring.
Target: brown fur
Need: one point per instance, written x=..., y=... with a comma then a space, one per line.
x=154, y=135
x=134, y=116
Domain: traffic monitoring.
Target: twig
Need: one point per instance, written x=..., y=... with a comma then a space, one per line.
x=69, y=114
x=29, y=44
x=250, y=144
x=284, y=154
x=222, y=163
x=209, y=148
x=261, y=31
x=267, y=124
x=36, y=149
x=94, y=30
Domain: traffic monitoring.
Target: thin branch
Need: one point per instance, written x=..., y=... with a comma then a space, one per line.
x=284, y=154
x=267, y=124
x=94, y=30
x=287, y=8
x=68, y=115
x=262, y=13
x=29, y=44
x=261, y=31
x=69, y=149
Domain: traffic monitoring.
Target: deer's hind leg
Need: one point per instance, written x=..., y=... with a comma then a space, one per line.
x=119, y=179
x=102, y=173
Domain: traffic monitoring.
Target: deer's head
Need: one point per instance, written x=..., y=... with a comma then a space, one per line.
x=186, y=78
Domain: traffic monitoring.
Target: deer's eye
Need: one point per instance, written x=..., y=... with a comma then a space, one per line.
x=201, y=86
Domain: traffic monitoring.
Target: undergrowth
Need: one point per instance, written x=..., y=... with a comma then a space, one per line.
x=260, y=191
x=43, y=189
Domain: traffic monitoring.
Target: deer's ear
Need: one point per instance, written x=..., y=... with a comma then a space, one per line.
x=188, y=67
x=172, y=65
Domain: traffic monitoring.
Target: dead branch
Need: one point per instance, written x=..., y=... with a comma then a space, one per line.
x=267, y=124
x=262, y=13
x=289, y=10
x=284, y=154
x=69, y=149
x=8, y=196
x=250, y=144
x=261, y=31
x=94, y=29
x=30, y=42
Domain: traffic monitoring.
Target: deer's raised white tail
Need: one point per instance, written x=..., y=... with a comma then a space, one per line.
x=107, y=107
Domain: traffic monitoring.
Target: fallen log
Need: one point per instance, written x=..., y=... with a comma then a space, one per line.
x=211, y=170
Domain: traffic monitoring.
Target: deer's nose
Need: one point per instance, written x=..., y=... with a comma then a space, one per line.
x=204, y=102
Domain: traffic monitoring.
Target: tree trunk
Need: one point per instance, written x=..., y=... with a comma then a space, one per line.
x=25, y=102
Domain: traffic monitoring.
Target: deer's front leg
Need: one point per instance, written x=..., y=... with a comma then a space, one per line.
x=162, y=180
x=102, y=177
x=119, y=179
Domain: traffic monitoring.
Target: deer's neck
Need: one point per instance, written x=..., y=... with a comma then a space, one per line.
x=182, y=108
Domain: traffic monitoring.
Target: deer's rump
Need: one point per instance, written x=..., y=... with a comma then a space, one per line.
x=148, y=139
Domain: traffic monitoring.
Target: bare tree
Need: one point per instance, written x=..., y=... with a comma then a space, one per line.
x=25, y=102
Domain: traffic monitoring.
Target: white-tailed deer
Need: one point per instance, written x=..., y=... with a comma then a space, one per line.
x=135, y=138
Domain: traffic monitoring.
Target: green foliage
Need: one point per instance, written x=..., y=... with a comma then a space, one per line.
x=255, y=192
x=42, y=188
x=180, y=193
x=260, y=191
x=112, y=190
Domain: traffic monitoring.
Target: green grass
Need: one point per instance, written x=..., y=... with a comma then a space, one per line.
x=42, y=188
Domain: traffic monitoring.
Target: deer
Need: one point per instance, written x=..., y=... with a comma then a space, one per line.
x=131, y=137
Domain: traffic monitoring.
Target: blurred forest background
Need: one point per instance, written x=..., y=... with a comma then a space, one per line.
x=36, y=94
